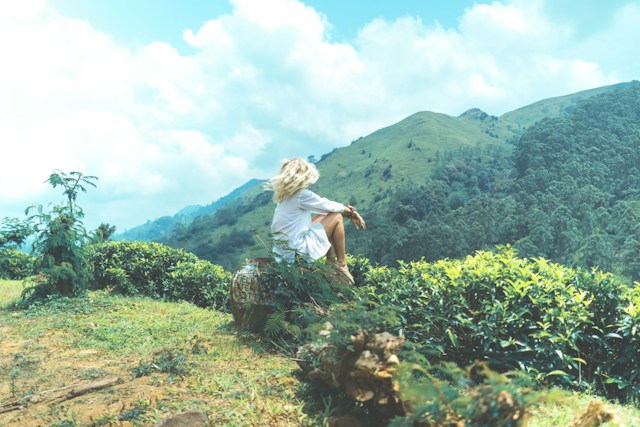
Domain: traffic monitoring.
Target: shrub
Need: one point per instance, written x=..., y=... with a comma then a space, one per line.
x=158, y=271
x=15, y=265
x=446, y=395
x=560, y=325
x=168, y=362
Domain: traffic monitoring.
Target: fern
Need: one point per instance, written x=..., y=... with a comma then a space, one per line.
x=275, y=324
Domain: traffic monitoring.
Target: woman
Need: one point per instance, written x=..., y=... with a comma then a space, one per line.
x=293, y=227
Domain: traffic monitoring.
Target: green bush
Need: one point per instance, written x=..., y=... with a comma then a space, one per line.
x=559, y=325
x=299, y=295
x=158, y=271
x=60, y=240
x=15, y=265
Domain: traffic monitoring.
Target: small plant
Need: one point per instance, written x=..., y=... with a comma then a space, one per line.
x=20, y=366
x=299, y=294
x=131, y=414
x=167, y=362
x=92, y=373
x=60, y=239
x=448, y=395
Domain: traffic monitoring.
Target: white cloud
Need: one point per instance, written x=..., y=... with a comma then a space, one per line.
x=163, y=129
x=72, y=99
x=616, y=45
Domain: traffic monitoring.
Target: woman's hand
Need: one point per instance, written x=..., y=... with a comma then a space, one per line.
x=357, y=220
x=355, y=217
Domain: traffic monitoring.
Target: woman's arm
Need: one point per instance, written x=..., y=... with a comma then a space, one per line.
x=310, y=201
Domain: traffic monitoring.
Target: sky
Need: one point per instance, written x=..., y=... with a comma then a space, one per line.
x=173, y=103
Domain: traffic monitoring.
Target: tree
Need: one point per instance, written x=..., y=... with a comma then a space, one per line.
x=13, y=263
x=13, y=232
x=61, y=236
x=103, y=233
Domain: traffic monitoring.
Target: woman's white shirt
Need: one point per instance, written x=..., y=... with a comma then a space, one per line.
x=292, y=226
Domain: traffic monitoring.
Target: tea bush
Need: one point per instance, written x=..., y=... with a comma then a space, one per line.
x=158, y=271
x=15, y=265
x=559, y=325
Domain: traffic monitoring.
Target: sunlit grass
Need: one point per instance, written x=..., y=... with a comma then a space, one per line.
x=10, y=291
x=231, y=377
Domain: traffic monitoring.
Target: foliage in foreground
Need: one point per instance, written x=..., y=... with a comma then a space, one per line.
x=158, y=271
x=60, y=238
x=559, y=325
x=193, y=357
x=15, y=264
x=427, y=397
x=554, y=324
x=446, y=395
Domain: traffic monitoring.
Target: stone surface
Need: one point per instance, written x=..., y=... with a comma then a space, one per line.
x=192, y=418
x=249, y=303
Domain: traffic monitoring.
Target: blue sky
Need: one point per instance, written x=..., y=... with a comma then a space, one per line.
x=143, y=21
x=176, y=103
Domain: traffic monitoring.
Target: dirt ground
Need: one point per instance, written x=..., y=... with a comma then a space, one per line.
x=34, y=366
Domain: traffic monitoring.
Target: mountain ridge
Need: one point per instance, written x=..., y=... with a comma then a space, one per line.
x=370, y=171
x=159, y=228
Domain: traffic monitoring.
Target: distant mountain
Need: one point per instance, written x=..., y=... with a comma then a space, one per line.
x=158, y=229
x=468, y=154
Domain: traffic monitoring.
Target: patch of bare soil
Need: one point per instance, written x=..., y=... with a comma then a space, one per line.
x=37, y=369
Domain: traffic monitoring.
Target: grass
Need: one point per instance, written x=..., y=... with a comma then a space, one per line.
x=170, y=357
x=231, y=377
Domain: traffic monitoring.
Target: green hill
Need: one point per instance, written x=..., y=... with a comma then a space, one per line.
x=364, y=174
x=569, y=192
x=522, y=118
x=374, y=170
x=159, y=228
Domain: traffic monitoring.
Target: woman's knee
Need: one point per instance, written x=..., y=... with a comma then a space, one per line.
x=330, y=222
x=335, y=217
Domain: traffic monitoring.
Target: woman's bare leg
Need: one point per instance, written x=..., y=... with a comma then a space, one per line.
x=334, y=227
x=330, y=254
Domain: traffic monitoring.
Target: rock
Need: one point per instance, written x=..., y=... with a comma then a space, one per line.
x=362, y=370
x=193, y=418
x=249, y=300
x=595, y=414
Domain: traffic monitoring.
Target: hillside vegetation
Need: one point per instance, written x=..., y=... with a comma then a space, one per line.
x=568, y=192
x=161, y=227
x=429, y=186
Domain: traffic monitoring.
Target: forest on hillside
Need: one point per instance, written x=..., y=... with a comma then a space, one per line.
x=567, y=190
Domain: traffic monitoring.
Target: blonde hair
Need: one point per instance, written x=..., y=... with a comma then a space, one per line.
x=295, y=175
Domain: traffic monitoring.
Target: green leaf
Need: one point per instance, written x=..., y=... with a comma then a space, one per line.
x=613, y=335
x=557, y=372
x=452, y=338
